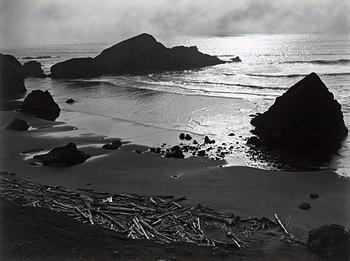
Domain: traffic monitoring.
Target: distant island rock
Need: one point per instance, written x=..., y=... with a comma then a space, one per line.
x=42, y=105
x=33, y=69
x=139, y=54
x=11, y=77
x=306, y=117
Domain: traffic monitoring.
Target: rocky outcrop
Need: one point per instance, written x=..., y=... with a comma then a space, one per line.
x=18, y=125
x=11, y=77
x=76, y=68
x=139, y=54
x=42, y=105
x=67, y=155
x=33, y=69
x=306, y=117
x=330, y=241
x=113, y=145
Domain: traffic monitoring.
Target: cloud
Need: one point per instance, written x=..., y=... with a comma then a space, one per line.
x=37, y=22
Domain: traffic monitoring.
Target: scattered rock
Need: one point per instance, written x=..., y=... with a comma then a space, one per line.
x=236, y=59
x=201, y=153
x=42, y=105
x=67, y=155
x=305, y=206
x=188, y=137
x=138, y=54
x=329, y=241
x=18, y=125
x=182, y=136
x=253, y=141
x=175, y=152
x=207, y=140
x=314, y=196
x=306, y=117
x=113, y=145
x=11, y=77
x=70, y=101
x=155, y=150
x=33, y=69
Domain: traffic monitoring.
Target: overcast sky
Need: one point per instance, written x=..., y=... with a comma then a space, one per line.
x=38, y=22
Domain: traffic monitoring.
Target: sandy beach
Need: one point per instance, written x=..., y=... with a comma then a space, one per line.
x=244, y=191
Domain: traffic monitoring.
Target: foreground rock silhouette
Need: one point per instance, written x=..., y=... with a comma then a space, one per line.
x=139, y=54
x=306, y=117
x=42, y=105
x=11, y=77
x=67, y=155
x=33, y=69
x=329, y=241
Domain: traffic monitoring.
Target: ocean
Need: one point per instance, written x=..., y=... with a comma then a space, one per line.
x=214, y=101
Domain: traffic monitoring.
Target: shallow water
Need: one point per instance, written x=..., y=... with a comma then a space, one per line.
x=215, y=100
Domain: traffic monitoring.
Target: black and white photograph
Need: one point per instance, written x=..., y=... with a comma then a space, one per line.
x=174, y=130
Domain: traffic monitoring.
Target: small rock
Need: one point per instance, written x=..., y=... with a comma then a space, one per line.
x=305, y=205
x=67, y=155
x=314, y=196
x=18, y=125
x=231, y=134
x=70, y=101
x=188, y=137
x=182, y=136
x=201, y=153
x=112, y=146
x=236, y=59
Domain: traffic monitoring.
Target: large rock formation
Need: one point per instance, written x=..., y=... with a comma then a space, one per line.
x=33, y=69
x=139, y=54
x=330, y=241
x=67, y=155
x=306, y=117
x=42, y=105
x=11, y=77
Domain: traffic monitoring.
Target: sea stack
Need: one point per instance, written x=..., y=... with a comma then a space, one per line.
x=42, y=105
x=306, y=117
x=137, y=55
x=33, y=69
x=11, y=78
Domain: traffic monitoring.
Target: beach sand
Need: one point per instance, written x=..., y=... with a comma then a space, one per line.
x=244, y=191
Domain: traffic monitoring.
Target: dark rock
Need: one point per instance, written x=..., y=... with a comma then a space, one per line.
x=306, y=117
x=139, y=54
x=18, y=125
x=195, y=142
x=76, y=68
x=155, y=150
x=314, y=196
x=70, y=101
x=112, y=146
x=33, y=69
x=182, y=136
x=175, y=152
x=236, y=59
x=63, y=156
x=201, y=153
x=305, y=205
x=253, y=141
x=207, y=140
x=231, y=134
x=188, y=137
x=42, y=105
x=329, y=241
x=11, y=77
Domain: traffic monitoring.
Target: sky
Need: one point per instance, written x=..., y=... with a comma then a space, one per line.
x=42, y=22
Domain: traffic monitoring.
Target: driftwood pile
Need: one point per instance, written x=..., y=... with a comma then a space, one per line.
x=159, y=218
